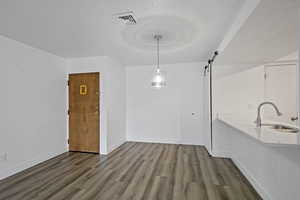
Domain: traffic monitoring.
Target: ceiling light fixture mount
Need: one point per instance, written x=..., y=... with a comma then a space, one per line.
x=159, y=79
x=158, y=37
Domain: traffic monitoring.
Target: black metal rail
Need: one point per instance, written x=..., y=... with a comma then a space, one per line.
x=208, y=68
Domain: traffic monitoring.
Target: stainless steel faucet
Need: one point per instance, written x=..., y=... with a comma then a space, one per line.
x=258, y=119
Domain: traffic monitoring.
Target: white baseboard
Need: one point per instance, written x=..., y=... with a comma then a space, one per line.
x=219, y=154
x=23, y=165
x=258, y=187
x=151, y=141
x=114, y=147
x=164, y=142
x=103, y=152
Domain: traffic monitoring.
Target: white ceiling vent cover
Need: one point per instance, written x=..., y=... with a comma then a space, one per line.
x=127, y=18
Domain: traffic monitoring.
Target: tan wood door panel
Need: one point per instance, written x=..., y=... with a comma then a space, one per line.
x=84, y=120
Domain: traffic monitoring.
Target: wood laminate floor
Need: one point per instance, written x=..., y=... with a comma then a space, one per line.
x=134, y=171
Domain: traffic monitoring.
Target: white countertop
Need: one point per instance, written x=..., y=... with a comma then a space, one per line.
x=263, y=134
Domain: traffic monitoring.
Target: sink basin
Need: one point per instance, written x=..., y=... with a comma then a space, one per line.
x=282, y=128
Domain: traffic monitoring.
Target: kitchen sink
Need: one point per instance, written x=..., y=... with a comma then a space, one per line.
x=282, y=128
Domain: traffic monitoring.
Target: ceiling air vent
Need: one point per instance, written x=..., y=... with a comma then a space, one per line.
x=127, y=18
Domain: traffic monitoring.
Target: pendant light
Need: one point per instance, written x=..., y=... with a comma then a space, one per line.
x=158, y=80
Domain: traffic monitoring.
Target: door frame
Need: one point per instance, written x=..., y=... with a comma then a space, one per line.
x=68, y=108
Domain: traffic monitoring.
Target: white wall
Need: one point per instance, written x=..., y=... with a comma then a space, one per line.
x=165, y=115
x=112, y=98
x=240, y=93
x=32, y=106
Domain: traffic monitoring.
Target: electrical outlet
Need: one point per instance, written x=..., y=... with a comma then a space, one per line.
x=3, y=157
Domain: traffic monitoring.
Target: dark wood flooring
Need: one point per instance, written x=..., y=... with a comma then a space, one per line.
x=134, y=171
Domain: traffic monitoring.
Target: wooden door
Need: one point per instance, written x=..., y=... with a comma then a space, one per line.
x=84, y=112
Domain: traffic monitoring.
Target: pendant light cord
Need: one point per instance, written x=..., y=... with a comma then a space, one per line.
x=157, y=53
